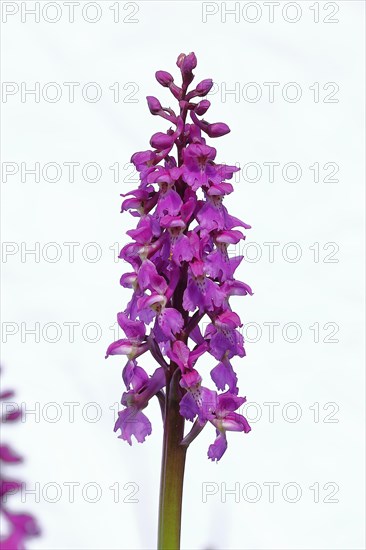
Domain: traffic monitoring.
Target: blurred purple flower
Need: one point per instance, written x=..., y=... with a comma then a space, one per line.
x=19, y=527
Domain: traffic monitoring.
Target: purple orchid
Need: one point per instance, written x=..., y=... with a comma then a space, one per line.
x=20, y=526
x=182, y=274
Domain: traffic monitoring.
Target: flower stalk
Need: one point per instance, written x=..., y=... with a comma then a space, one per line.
x=172, y=472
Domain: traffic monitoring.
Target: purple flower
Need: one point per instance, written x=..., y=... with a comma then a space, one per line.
x=221, y=414
x=164, y=78
x=21, y=526
x=131, y=421
x=183, y=357
x=219, y=265
x=201, y=291
x=133, y=345
x=219, y=409
x=182, y=273
x=199, y=167
x=223, y=375
x=225, y=340
x=142, y=202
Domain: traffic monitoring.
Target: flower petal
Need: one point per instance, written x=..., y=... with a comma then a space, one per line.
x=131, y=422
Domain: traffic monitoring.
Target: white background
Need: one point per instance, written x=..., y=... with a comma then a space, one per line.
x=303, y=292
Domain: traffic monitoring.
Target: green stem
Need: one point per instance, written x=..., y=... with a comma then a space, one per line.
x=172, y=472
x=174, y=454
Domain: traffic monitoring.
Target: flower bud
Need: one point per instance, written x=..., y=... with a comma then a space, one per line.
x=217, y=129
x=202, y=107
x=153, y=104
x=187, y=63
x=161, y=141
x=180, y=59
x=204, y=87
x=164, y=78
